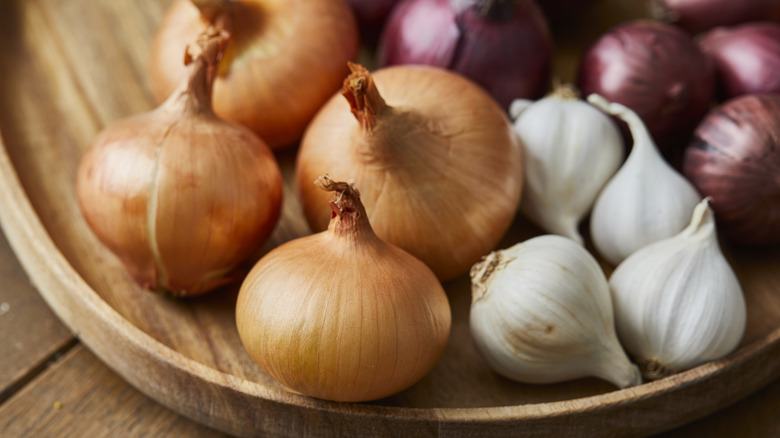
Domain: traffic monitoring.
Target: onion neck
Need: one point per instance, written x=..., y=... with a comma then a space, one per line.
x=348, y=216
x=364, y=99
x=193, y=96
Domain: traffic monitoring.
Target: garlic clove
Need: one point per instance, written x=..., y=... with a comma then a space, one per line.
x=541, y=312
x=677, y=302
x=571, y=151
x=646, y=200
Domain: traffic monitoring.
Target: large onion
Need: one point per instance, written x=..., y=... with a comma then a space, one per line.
x=436, y=159
x=734, y=158
x=503, y=45
x=747, y=58
x=286, y=59
x=656, y=70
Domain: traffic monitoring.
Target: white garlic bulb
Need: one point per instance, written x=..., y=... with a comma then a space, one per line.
x=646, y=200
x=677, y=302
x=571, y=150
x=541, y=312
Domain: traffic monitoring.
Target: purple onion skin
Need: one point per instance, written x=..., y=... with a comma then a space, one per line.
x=508, y=52
x=734, y=158
x=746, y=58
x=697, y=16
x=655, y=69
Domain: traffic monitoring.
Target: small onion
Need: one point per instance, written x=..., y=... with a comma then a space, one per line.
x=266, y=79
x=699, y=15
x=342, y=315
x=734, y=158
x=656, y=70
x=179, y=195
x=747, y=58
x=503, y=45
x=437, y=159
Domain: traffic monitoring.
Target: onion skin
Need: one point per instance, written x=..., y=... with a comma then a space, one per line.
x=508, y=51
x=746, y=57
x=266, y=81
x=697, y=16
x=439, y=164
x=342, y=315
x=180, y=196
x=656, y=70
x=734, y=158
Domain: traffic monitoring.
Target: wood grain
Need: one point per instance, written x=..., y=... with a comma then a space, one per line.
x=80, y=397
x=73, y=67
x=31, y=332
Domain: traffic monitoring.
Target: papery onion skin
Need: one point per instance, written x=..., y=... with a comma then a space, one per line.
x=441, y=169
x=180, y=196
x=734, y=158
x=509, y=53
x=656, y=70
x=746, y=57
x=287, y=59
x=342, y=315
x=697, y=16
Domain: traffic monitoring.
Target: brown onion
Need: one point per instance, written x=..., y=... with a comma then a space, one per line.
x=657, y=71
x=179, y=195
x=342, y=315
x=288, y=57
x=734, y=158
x=747, y=58
x=436, y=157
x=699, y=15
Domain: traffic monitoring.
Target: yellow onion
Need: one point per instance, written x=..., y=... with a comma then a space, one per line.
x=436, y=158
x=287, y=58
x=180, y=196
x=342, y=315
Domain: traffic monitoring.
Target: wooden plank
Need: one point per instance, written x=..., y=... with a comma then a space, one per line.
x=80, y=397
x=31, y=333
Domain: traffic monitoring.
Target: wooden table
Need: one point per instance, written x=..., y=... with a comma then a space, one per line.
x=51, y=385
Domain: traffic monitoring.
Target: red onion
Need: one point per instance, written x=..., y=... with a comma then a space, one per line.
x=747, y=58
x=735, y=159
x=699, y=15
x=656, y=70
x=371, y=16
x=503, y=45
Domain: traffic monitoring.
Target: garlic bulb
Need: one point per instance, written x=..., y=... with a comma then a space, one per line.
x=646, y=201
x=677, y=302
x=541, y=312
x=572, y=149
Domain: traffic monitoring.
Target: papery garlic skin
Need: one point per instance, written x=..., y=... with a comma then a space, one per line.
x=677, y=302
x=541, y=312
x=571, y=150
x=646, y=200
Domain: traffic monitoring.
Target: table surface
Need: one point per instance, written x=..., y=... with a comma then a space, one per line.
x=51, y=385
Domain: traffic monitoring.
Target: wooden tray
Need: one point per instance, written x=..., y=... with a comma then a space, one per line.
x=70, y=68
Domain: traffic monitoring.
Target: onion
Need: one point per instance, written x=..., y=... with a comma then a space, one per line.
x=437, y=160
x=266, y=79
x=734, y=158
x=747, y=58
x=180, y=196
x=699, y=15
x=343, y=315
x=503, y=45
x=656, y=70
